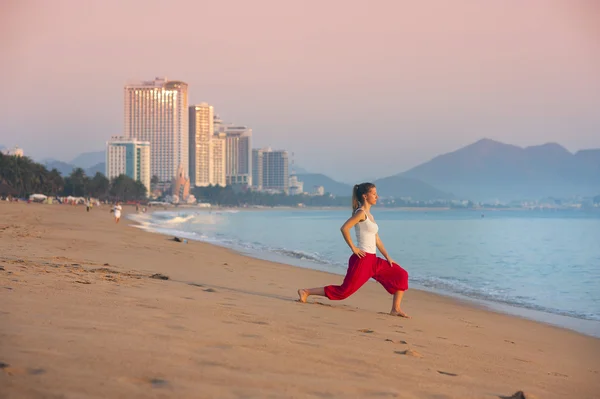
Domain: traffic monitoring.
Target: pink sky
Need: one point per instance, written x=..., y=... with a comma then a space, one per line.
x=355, y=89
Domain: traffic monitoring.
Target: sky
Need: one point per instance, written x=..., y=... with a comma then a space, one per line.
x=354, y=89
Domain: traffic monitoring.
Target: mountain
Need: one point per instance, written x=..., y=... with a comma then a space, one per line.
x=299, y=170
x=393, y=186
x=312, y=180
x=89, y=159
x=400, y=186
x=63, y=168
x=488, y=169
x=590, y=158
x=100, y=167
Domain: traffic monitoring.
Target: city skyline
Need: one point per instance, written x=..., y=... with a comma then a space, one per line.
x=400, y=82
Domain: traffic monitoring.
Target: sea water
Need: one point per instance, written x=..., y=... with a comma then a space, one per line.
x=543, y=265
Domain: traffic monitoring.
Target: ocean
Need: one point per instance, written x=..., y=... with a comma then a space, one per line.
x=541, y=265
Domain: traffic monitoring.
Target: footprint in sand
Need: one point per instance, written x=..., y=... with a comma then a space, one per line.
x=158, y=382
x=36, y=371
x=409, y=352
x=250, y=336
x=159, y=276
x=196, y=284
x=461, y=346
x=397, y=341
x=447, y=373
x=366, y=331
x=555, y=374
x=509, y=341
x=154, y=382
x=522, y=360
x=210, y=290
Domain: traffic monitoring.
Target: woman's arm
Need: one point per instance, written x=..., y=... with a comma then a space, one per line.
x=345, y=229
x=383, y=251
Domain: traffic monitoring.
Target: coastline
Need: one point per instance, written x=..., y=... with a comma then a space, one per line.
x=298, y=259
x=79, y=305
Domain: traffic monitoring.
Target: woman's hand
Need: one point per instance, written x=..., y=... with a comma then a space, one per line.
x=358, y=252
x=391, y=261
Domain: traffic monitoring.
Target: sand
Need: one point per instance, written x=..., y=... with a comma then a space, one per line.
x=81, y=316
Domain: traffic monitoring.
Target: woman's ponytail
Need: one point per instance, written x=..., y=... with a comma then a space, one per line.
x=357, y=194
x=355, y=202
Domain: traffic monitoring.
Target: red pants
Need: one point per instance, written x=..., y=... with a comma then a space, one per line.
x=360, y=270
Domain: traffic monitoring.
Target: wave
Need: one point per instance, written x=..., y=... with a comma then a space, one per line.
x=190, y=225
x=454, y=286
x=301, y=255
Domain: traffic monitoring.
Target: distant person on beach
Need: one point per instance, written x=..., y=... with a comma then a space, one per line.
x=364, y=263
x=117, y=211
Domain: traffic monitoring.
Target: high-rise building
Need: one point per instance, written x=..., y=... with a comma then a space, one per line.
x=219, y=147
x=270, y=170
x=296, y=187
x=201, y=131
x=157, y=112
x=257, y=169
x=239, y=155
x=129, y=157
x=218, y=124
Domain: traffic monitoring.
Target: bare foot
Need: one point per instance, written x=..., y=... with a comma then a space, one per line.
x=303, y=294
x=399, y=313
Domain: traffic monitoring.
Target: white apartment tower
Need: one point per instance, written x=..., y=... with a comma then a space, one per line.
x=201, y=132
x=270, y=170
x=129, y=157
x=239, y=155
x=219, y=146
x=157, y=112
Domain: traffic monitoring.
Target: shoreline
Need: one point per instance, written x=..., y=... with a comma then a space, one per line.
x=580, y=325
x=83, y=316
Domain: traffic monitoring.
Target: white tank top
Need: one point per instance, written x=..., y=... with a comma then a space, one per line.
x=366, y=234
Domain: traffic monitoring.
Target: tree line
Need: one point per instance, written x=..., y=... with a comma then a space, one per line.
x=21, y=177
x=228, y=196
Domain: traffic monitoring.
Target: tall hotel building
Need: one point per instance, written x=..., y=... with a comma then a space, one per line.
x=218, y=157
x=157, y=112
x=270, y=170
x=201, y=126
x=239, y=155
x=128, y=157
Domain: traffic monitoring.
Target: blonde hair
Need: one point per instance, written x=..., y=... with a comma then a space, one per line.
x=357, y=194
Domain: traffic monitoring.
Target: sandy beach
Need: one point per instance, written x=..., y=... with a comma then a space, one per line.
x=84, y=315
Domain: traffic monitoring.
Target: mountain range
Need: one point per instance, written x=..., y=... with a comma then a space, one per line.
x=483, y=171
x=90, y=162
x=392, y=186
x=488, y=170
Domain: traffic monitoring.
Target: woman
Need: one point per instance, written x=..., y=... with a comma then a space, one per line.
x=364, y=263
